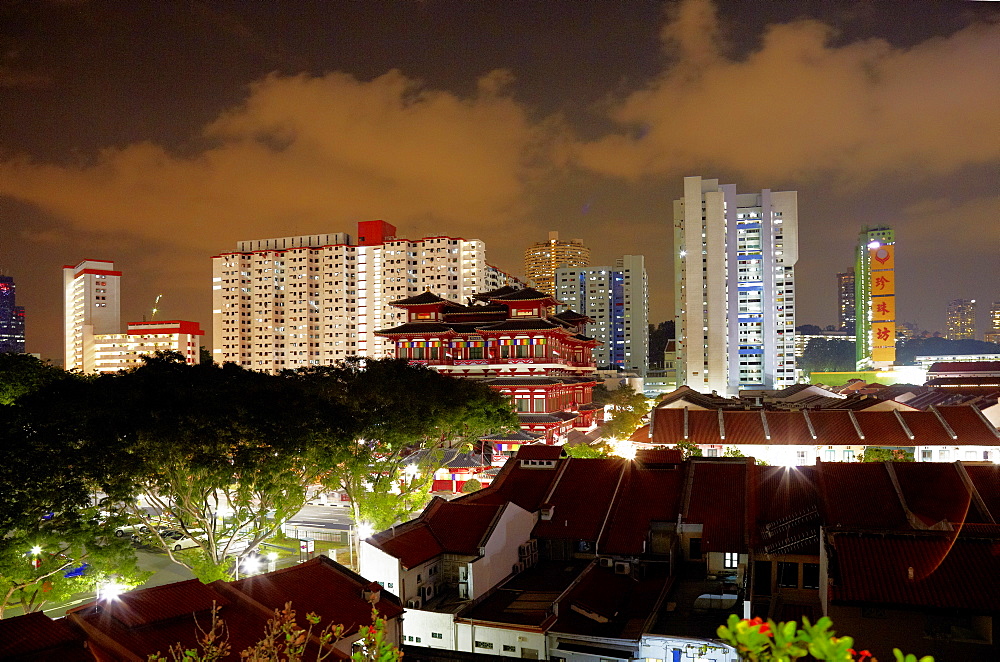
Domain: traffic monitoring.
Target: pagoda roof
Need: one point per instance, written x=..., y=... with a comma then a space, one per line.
x=492, y=294
x=516, y=436
x=416, y=328
x=533, y=324
x=424, y=299
x=572, y=317
x=526, y=294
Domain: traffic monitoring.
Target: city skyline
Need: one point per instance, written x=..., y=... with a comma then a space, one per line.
x=157, y=136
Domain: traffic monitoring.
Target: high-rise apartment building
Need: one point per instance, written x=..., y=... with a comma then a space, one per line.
x=734, y=287
x=875, y=297
x=993, y=335
x=11, y=318
x=617, y=300
x=91, y=306
x=92, y=318
x=543, y=258
x=961, y=319
x=293, y=302
x=846, y=316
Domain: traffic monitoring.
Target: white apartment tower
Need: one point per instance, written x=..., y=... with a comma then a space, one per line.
x=617, y=299
x=293, y=302
x=91, y=306
x=92, y=318
x=734, y=287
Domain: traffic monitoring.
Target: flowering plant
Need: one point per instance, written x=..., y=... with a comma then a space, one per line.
x=756, y=640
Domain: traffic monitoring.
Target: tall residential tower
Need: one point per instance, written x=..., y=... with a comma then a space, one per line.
x=617, y=299
x=734, y=287
x=846, y=312
x=961, y=319
x=293, y=302
x=543, y=258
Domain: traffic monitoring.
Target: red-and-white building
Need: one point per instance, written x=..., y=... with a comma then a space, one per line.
x=508, y=339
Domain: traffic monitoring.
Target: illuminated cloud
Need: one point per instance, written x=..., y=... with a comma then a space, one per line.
x=309, y=154
x=800, y=107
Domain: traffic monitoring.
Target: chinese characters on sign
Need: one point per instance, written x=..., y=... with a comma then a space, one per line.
x=882, y=279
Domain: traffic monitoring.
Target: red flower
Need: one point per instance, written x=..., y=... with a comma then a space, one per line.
x=764, y=628
x=863, y=654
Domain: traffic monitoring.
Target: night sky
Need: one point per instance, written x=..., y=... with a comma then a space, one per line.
x=157, y=134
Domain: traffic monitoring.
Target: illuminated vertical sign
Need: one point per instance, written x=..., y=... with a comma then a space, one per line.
x=882, y=306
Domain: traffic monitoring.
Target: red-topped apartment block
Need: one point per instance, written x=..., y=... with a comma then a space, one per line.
x=508, y=339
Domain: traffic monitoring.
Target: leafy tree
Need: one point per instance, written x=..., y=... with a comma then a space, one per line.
x=732, y=451
x=876, y=454
x=629, y=407
x=823, y=355
x=211, y=455
x=587, y=450
x=688, y=449
x=49, y=525
x=471, y=485
x=398, y=409
x=808, y=330
x=21, y=374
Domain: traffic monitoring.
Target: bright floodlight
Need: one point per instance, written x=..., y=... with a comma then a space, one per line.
x=684, y=253
x=365, y=530
x=110, y=590
x=623, y=448
x=36, y=550
x=272, y=556
x=251, y=565
x=875, y=243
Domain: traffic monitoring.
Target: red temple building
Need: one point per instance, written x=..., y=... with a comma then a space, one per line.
x=508, y=339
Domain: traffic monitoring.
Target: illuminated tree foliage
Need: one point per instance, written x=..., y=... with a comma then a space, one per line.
x=53, y=541
x=398, y=409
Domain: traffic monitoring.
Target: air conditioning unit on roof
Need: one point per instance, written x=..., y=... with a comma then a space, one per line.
x=607, y=562
x=622, y=568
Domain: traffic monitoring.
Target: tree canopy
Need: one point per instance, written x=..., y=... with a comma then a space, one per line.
x=823, y=355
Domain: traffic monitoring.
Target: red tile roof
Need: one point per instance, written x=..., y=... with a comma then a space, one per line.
x=717, y=500
x=38, y=638
x=947, y=573
x=833, y=427
x=645, y=496
x=969, y=425
x=986, y=479
x=320, y=586
x=412, y=543
x=582, y=497
x=525, y=486
x=859, y=494
x=152, y=620
x=934, y=491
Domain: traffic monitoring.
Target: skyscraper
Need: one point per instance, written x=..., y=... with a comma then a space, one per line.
x=993, y=335
x=92, y=318
x=543, y=258
x=317, y=299
x=961, y=319
x=846, y=316
x=734, y=286
x=617, y=299
x=11, y=318
x=875, y=297
x=91, y=306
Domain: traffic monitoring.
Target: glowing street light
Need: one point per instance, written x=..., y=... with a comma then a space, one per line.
x=365, y=530
x=36, y=550
x=251, y=565
x=110, y=590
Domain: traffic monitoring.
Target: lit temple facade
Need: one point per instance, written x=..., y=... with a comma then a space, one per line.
x=507, y=339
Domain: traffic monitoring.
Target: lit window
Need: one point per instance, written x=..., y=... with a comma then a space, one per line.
x=731, y=560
